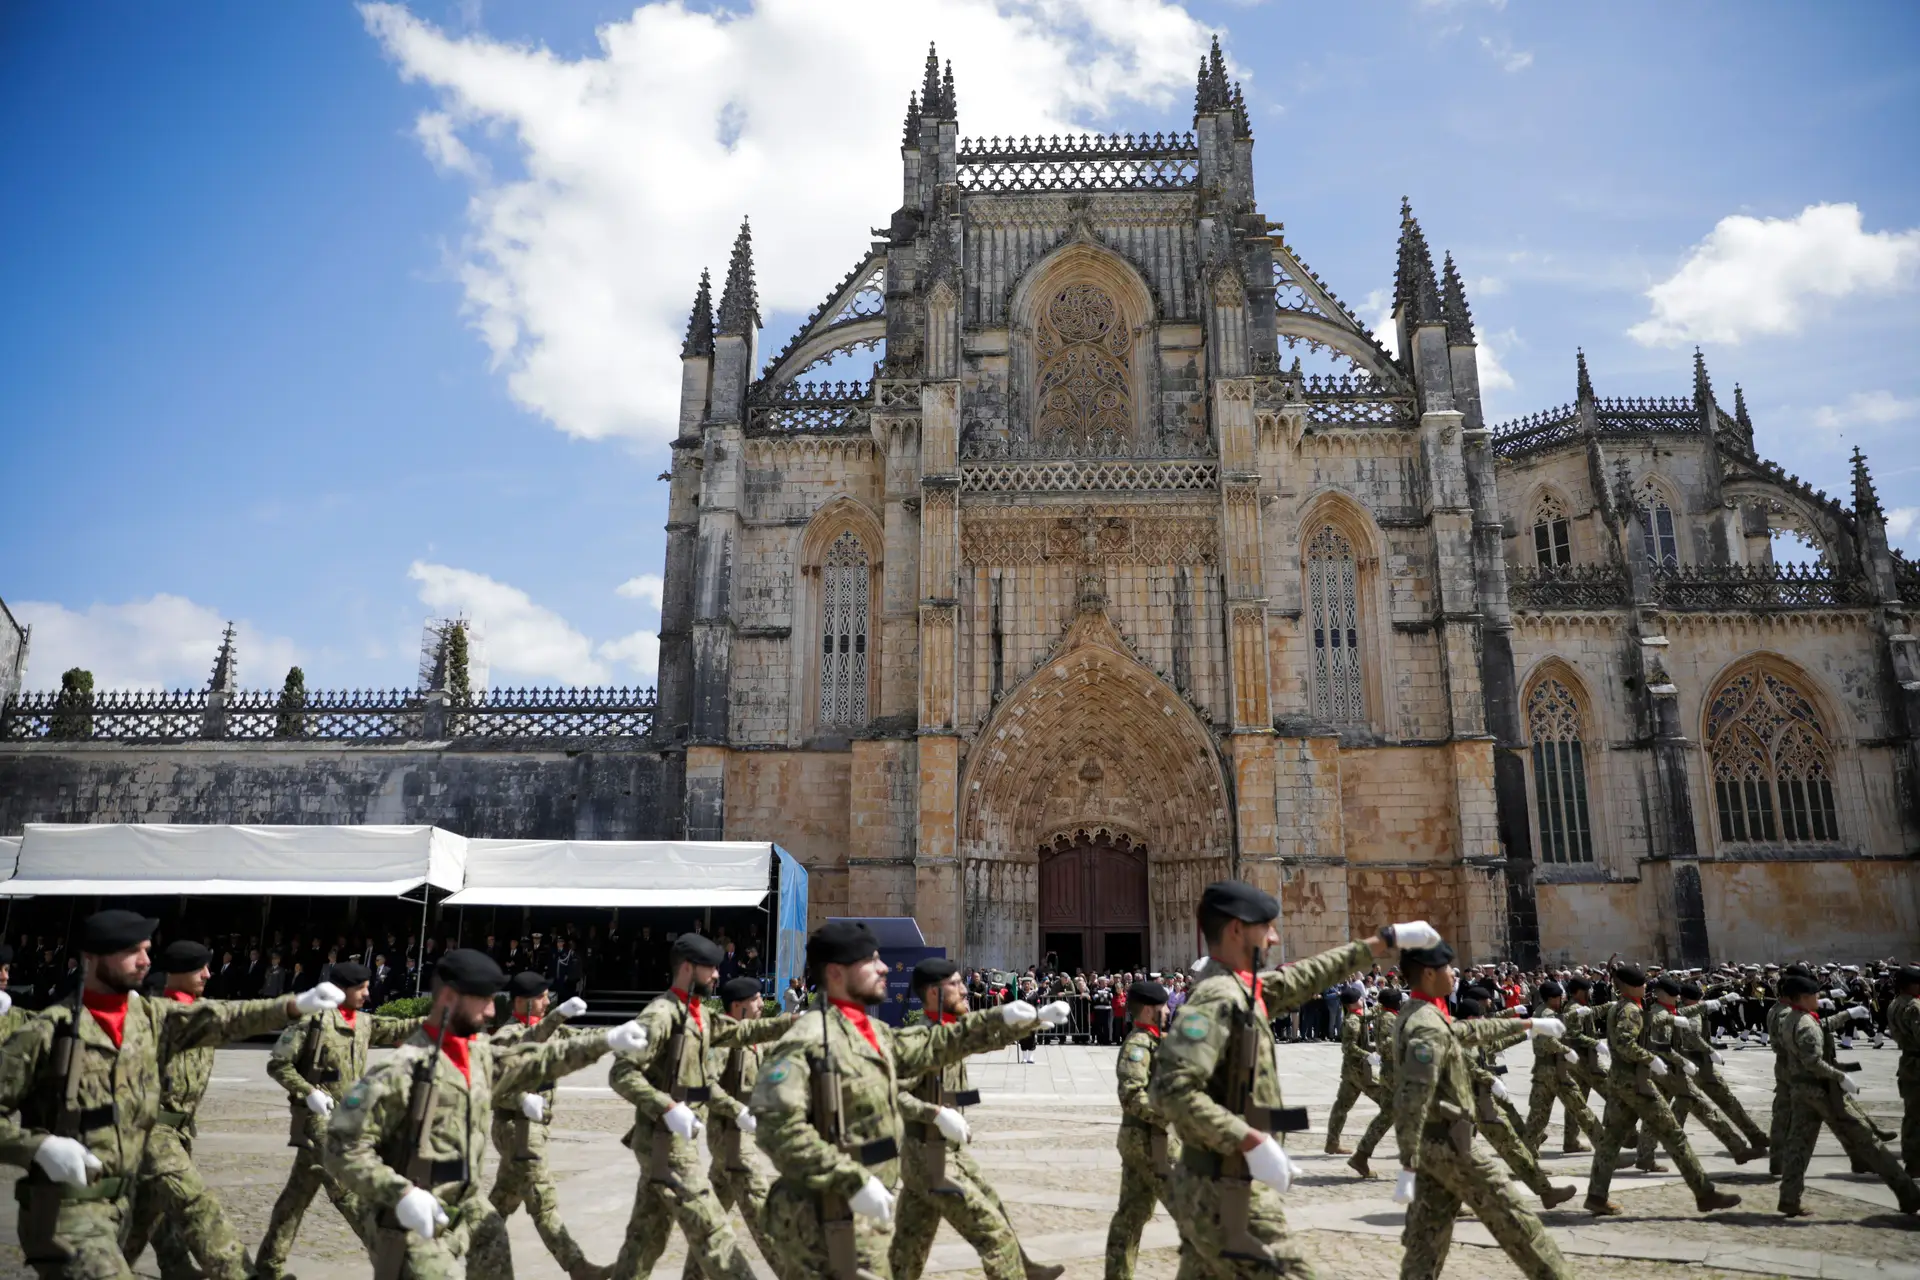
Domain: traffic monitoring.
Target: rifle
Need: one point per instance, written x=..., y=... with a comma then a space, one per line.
x=299, y=1125
x=728, y=1156
x=390, y=1243
x=539, y=1033
x=1246, y=1039
x=836, y=1216
x=932, y=1089
x=42, y=1218
x=660, y=1159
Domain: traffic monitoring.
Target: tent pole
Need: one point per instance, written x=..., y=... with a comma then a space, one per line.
x=420, y=970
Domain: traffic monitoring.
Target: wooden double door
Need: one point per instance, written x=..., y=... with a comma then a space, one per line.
x=1093, y=903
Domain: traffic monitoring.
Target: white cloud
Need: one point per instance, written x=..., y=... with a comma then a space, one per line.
x=166, y=642
x=649, y=587
x=641, y=651
x=1865, y=409
x=1493, y=374
x=1902, y=524
x=1754, y=276
x=1379, y=305
x=530, y=640
x=638, y=162
x=1501, y=50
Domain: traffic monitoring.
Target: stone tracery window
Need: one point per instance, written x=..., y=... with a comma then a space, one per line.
x=1552, y=543
x=845, y=580
x=1084, y=345
x=1333, y=606
x=1559, y=773
x=1656, y=522
x=1772, y=762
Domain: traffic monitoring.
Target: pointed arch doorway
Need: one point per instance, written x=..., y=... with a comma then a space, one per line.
x=1093, y=902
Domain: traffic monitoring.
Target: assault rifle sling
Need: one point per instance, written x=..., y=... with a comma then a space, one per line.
x=1246, y=1039
x=539, y=1033
x=306, y=1062
x=836, y=1216
x=416, y=1157
x=38, y=1225
x=728, y=1155
x=932, y=1089
x=660, y=1159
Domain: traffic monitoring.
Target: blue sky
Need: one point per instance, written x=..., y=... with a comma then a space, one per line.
x=331, y=319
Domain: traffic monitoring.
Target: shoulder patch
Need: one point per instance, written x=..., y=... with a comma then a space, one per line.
x=356, y=1096
x=1195, y=1025
x=1422, y=1051
x=1137, y=1053
x=776, y=1073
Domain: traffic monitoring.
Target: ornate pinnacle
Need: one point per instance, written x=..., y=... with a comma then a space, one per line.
x=1200, y=107
x=1865, y=500
x=226, y=665
x=1453, y=304
x=1702, y=389
x=740, y=302
x=930, y=84
x=1217, y=75
x=1583, y=389
x=1740, y=410
x=1622, y=487
x=1242, y=122
x=1415, y=292
x=949, y=105
x=910, y=136
x=700, y=324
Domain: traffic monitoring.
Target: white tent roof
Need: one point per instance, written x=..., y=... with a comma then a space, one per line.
x=9, y=855
x=139, y=859
x=615, y=873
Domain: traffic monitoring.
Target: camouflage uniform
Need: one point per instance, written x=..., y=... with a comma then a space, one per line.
x=1485, y=1037
x=521, y=1144
x=1356, y=1078
x=1678, y=1041
x=1708, y=1081
x=738, y=1183
x=1184, y=1089
x=1832, y=1026
x=1903, y=1020
x=119, y=1096
x=372, y=1117
x=1380, y=1040
x=1782, y=1109
x=1633, y=1097
x=1814, y=1085
x=806, y=1165
x=680, y=1192
x=1433, y=1110
x=171, y=1205
x=1554, y=1080
x=326, y=1052
x=1143, y=1180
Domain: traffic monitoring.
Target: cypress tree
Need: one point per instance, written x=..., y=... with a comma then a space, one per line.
x=291, y=721
x=459, y=683
x=74, y=720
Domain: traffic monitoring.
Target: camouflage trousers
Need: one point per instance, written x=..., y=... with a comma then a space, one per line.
x=1513, y=1149
x=1627, y=1107
x=1141, y=1187
x=1193, y=1197
x=1713, y=1086
x=474, y=1242
x=741, y=1187
x=1552, y=1084
x=682, y=1196
x=1809, y=1107
x=308, y=1176
x=91, y=1232
x=1447, y=1180
x=1353, y=1085
x=1910, y=1125
x=1689, y=1102
x=975, y=1212
x=1381, y=1126
x=525, y=1180
x=173, y=1208
x=791, y=1221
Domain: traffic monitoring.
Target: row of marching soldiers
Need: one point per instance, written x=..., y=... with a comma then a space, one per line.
x=862, y=1122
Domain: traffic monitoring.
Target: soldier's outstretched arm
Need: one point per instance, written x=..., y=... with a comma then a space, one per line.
x=925, y=1047
x=1304, y=980
x=529, y=1065
x=385, y=1033
x=1181, y=1070
x=913, y=1109
x=280, y=1062
x=733, y=1033
x=20, y=1061
x=629, y=1073
x=1492, y=1034
x=787, y=1135
x=360, y=1127
x=1416, y=1077
x=210, y=1022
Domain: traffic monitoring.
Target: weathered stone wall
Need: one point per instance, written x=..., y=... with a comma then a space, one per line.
x=1584, y=923
x=1853, y=910
x=13, y=653
x=800, y=801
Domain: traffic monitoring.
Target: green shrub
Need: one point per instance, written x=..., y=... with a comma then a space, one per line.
x=291, y=720
x=73, y=721
x=405, y=1007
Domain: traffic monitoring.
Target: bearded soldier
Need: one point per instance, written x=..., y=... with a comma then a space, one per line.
x=77, y=1194
x=316, y=1061
x=828, y=1106
x=938, y=1179
x=1433, y=1111
x=1216, y=1082
x=444, y=1224
x=520, y=1120
x=1485, y=1037
x=738, y=1183
x=1356, y=1070
x=1380, y=1038
x=1553, y=1081
x=1147, y=1150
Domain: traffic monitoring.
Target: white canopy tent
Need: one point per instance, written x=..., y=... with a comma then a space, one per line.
x=615, y=873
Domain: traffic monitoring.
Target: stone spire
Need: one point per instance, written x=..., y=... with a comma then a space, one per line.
x=930, y=84
x=1865, y=501
x=1702, y=388
x=699, y=340
x=1583, y=385
x=740, y=303
x=1416, y=295
x=226, y=663
x=1740, y=411
x=1453, y=303
x=910, y=135
x=949, y=103
x=1242, y=122
x=1212, y=93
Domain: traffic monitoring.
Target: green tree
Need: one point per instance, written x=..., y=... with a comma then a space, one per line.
x=459, y=682
x=73, y=721
x=291, y=721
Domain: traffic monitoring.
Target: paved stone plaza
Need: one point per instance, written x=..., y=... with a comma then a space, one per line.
x=1045, y=1134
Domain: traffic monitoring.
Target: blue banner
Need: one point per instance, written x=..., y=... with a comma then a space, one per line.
x=790, y=938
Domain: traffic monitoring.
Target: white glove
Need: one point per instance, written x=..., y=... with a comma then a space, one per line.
x=1687, y=1068
x=1414, y=935
x=419, y=1212
x=746, y=1123
x=1718, y=1057
x=1055, y=1014
x=1711, y=1006
x=873, y=1201
x=1825, y=1006
x=533, y=1106
x=1604, y=1052
x=65, y=1160
x=682, y=1122
x=1499, y=1090
x=627, y=1037
x=1838, y=993
x=1858, y=1013
x=1547, y=1027
x=1403, y=1189
x=571, y=1007
x=1269, y=1164
x=1018, y=1011
x=321, y=995
x=952, y=1126
x=1659, y=1069
x=319, y=1103
x=6, y=1003
x=1200, y=966
x=1373, y=1060
x=1848, y=1085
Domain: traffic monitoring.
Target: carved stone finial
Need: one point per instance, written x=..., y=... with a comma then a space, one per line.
x=930, y=84
x=1866, y=502
x=949, y=103
x=1583, y=385
x=1453, y=304
x=226, y=666
x=1416, y=292
x=910, y=135
x=1740, y=410
x=740, y=302
x=699, y=341
x=1702, y=388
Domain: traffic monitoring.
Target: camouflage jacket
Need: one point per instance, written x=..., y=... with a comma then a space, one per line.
x=646, y=1078
x=740, y=1051
x=1690, y=1037
x=1188, y=1072
x=1805, y=1061
x=185, y=1071
x=515, y=1032
x=366, y=1131
x=1385, y=1023
x=1353, y=1048
x=1135, y=1075
x=869, y=1090
x=917, y=1104
x=1550, y=1053
x=326, y=1052
x=1434, y=1073
x=1487, y=1036
x=119, y=1089
x=1903, y=1021
x=1627, y=1041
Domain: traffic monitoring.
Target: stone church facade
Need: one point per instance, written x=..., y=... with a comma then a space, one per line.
x=1093, y=594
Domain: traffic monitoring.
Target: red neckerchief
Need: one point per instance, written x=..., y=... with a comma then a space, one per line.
x=346, y=1015
x=938, y=1020
x=454, y=1049
x=857, y=1015
x=1638, y=1003
x=109, y=1009
x=1149, y=1028
x=1438, y=1002
x=1259, y=997
x=1811, y=1013
x=693, y=1006
x=180, y=997
x=525, y=1019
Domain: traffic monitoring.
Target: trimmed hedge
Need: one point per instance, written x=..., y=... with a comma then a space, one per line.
x=405, y=1007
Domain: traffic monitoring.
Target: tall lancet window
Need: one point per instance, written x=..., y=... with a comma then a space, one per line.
x=1552, y=543
x=1559, y=773
x=1333, y=605
x=1656, y=523
x=1772, y=763
x=1085, y=350
x=843, y=634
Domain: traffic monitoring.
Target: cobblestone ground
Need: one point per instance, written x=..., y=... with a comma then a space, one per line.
x=1045, y=1134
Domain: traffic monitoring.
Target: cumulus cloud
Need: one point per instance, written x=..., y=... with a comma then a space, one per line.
x=649, y=587
x=529, y=641
x=1493, y=374
x=1755, y=276
x=1902, y=524
x=1379, y=305
x=1501, y=50
x=635, y=164
x=1865, y=409
x=165, y=642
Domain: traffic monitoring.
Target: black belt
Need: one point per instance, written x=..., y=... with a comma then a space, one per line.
x=879, y=1151
x=697, y=1093
x=173, y=1119
x=444, y=1171
x=324, y=1075
x=101, y=1117
x=1847, y=1066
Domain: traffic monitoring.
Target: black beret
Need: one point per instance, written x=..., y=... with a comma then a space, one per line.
x=1906, y=975
x=184, y=956
x=1551, y=991
x=1428, y=957
x=1471, y=1008
x=1691, y=991
x=525, y=986
x=1238, y=900
x=699, y=950
x=349, y=973
x=1146, y=991
x=1476, y=991
x=1351, y=994
x=734, y=990
x=1668, y=984
x=931, y=970
x=840, y=942
x=1797, y=984
x=1392, y=998
x=1577, y=983
x=105, y=932
x=470, y=972
x=1798, y=970
x=1628, y=976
